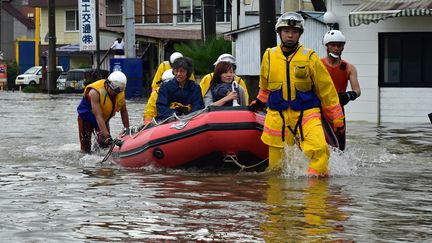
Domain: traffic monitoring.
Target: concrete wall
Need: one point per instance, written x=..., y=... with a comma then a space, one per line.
x=11, y=30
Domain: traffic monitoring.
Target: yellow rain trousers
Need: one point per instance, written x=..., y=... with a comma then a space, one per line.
x=306, y=74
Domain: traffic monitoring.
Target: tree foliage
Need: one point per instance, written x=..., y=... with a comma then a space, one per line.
x=204, y=54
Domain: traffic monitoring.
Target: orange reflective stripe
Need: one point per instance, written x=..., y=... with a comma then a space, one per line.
x=263, y=95
x=273, y=132
x=334, y=112
x=312, y=172
x=310, y=116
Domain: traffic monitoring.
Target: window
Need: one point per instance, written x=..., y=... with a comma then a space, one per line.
x=404, y=59
x=72, y=22
x=188, y=11
x=223, y=11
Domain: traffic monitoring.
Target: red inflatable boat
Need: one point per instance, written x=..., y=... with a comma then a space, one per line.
x=213, y=136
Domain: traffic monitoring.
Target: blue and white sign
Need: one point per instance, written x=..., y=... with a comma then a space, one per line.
x=87, y=24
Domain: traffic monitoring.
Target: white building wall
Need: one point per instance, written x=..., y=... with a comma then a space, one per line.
x=247, y=52
x=405, y=105
x=361, y=50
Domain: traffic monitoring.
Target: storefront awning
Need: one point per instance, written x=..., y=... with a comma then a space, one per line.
x=376, y=10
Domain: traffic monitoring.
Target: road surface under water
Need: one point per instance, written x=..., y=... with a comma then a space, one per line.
x=380, y=189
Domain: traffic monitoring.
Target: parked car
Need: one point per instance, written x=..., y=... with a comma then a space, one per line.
x=77, y=79
x=33, y=75
x=61, y=81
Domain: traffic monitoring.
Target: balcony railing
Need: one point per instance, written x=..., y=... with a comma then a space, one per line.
x=113, y=20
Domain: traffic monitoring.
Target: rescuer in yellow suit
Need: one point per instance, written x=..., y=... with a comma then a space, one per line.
x=296, y=87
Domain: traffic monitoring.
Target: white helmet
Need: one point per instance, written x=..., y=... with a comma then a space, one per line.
x=117, y=81
x=333, y=36
x=290, y=19
x=174, y=56
x=167, y=75
x=226, y=58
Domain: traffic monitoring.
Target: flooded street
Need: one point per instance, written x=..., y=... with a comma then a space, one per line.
x=380, y=189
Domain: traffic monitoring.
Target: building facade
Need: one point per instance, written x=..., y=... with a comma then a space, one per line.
x=387, y=41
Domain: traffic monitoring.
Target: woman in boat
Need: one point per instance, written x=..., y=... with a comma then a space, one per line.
x=206, y=80
x=180, y=95
x=223, y=91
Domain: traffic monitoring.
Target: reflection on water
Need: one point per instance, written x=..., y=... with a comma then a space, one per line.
x=380, y=190
x=305, y=210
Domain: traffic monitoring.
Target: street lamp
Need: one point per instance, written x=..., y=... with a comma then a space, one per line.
x=330, y=20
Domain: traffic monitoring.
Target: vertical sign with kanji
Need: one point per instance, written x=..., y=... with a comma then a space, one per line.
x=87, y=25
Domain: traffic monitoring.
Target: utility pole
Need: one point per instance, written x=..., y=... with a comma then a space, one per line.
x=97, y=40
x=51, y=46
x=208, y=20
x=129, y=8
x=267, y=16
x=1, y=10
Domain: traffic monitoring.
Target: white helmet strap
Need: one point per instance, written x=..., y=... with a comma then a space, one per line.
x=334, y=55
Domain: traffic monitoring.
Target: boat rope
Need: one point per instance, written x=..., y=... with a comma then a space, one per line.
x=190, y=116
x=242, y=167
x=108, y=154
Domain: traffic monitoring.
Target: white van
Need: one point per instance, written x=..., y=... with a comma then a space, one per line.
x=33, y=75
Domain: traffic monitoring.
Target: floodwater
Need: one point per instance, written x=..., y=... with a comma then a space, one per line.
x=380, y=189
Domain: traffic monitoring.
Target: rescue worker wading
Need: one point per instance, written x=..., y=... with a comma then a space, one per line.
x=102, y=99
x=295, y=84
x=341, y=71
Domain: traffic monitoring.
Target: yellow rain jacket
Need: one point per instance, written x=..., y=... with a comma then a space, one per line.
x=108, y=110
x=150, y=111
x=308, y=87
x=205, y=85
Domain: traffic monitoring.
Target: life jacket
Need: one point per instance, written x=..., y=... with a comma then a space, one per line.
x=339, y=74
x=289, y=81
x=109, y=105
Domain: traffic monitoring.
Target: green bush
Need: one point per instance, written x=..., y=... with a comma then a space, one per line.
x=84, y=65
x=31, y=89
x=204, y=54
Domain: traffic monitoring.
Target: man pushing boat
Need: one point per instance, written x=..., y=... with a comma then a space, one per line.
x=101, y=100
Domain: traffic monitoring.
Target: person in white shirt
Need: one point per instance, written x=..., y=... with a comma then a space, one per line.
x=118, y=47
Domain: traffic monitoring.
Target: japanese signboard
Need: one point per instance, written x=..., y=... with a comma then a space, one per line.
x=87, y=25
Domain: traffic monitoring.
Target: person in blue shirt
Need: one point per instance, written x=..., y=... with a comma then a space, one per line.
x=180, y=95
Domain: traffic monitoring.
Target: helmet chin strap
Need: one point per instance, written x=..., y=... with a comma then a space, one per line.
x=289, y=46
x=286, y=45
x=334, y=56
